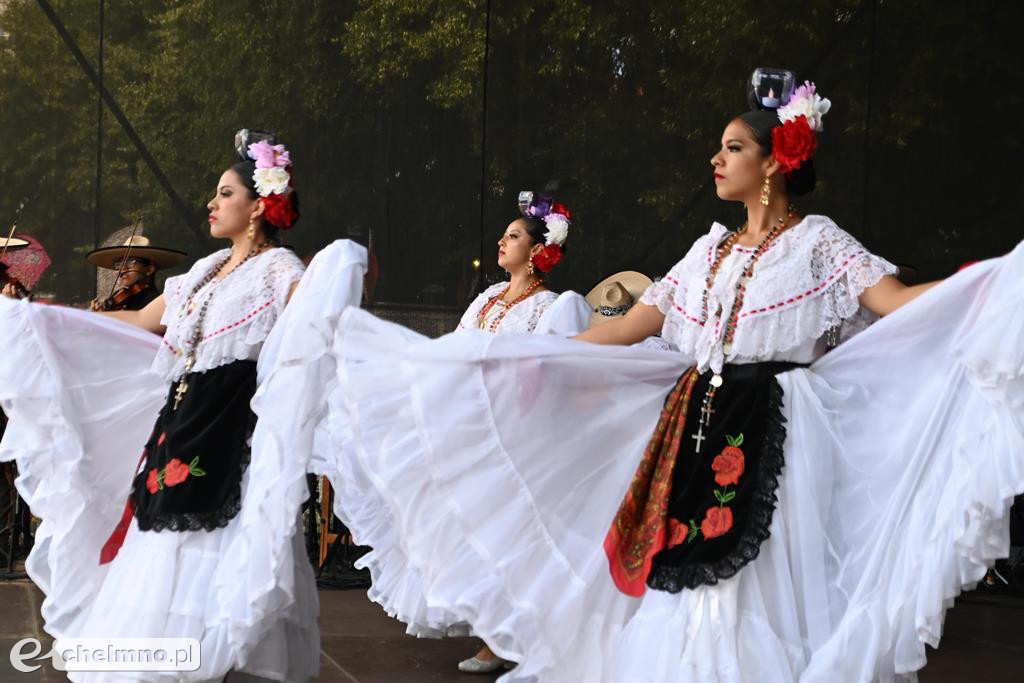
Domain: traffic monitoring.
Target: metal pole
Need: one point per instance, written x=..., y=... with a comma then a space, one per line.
x=187, y=214
x=483, y=140
x=97, y=208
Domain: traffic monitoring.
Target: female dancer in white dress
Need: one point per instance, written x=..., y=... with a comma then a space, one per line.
x=192, y=555
x=528, y=249
x=783, y=523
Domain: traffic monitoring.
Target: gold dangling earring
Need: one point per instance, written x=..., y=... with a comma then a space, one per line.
x=251, y=230
x=529, y=267
x=766, y=191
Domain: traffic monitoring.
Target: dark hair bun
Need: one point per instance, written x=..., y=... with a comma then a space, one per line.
x=802, y=180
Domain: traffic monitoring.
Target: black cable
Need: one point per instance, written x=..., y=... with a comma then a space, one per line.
x=187, y=215
x=97, y=208
x=867, y=117
x=483, y=142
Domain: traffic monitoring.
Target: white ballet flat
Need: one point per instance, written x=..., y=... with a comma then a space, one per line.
x=480, y=666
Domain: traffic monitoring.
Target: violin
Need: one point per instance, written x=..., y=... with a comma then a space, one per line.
x=113, y=301
x=20, y=290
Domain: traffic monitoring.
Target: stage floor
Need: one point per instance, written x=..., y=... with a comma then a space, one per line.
x=983, y=643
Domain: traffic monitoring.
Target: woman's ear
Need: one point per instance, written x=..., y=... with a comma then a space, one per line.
x=772, y=167
x=257, y=210
x=536, y=249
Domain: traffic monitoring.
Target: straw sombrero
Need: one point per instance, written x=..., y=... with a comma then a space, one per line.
x=615, y=295
x=108, y=257
x=12, y=244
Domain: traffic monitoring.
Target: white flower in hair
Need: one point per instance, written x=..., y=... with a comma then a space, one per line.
x=271, y=181
x=558, y=229
x=806, y=102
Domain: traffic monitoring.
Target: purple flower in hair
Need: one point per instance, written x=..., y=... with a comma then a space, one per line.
x=269, y=156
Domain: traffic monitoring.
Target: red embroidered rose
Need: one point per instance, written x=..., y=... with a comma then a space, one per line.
x=716, y=522
x=163, y=437
x=280, y=210
x=562, y=209
x=548, y=258
x=175, y=472
x=153, y=481
x=677, y=532
x=793, y=143
x=728, y=466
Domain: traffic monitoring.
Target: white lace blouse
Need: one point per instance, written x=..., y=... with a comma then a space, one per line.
x=545, y=312
x=806, y=283
x=243, y=308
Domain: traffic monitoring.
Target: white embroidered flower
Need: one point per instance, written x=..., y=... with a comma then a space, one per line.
x=271, y=181
x=806, y=102
x=558, y=229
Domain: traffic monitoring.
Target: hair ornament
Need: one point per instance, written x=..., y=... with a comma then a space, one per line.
x=272, y=176
x=557, y=219
x=800, y=110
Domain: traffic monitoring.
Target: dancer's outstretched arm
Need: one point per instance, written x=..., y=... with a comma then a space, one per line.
x=642, y=321
x=889, y=294
x=147, y=318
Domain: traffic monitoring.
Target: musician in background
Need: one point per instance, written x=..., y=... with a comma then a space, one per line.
x=9, y=285
x=136, y=263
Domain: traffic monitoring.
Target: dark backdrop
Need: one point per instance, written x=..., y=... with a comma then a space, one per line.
x=414, y=124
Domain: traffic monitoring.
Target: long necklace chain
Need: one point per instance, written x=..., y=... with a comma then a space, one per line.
x=747, y=274
x=186, y=308
x=707, y=407
x=493, y=327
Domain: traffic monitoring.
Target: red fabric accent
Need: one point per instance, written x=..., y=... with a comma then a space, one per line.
x=640, y=528
x=116, y=540
x=110, y=549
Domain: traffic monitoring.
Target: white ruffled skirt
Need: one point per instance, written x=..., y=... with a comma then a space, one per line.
x=485, y=472
x=82, y=402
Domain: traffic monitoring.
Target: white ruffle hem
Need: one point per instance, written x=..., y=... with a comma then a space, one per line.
x=82, y=400
x=492, y=467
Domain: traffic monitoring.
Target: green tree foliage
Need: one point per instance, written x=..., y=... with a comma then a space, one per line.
x=617, y=104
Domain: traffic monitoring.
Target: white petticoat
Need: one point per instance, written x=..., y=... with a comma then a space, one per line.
x=497, y=464
x=80, y=413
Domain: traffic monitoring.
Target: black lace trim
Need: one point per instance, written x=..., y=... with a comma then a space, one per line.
x=673, y=579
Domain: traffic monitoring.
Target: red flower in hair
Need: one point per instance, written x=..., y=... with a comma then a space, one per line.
x=793, y=143
x=548, y=258
x=280, y=211
x=562, y=209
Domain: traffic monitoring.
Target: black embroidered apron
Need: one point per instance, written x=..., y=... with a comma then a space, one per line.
x=196, y=455
x=692, y=518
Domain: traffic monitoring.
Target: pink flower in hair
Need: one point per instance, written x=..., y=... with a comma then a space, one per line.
x=269, y=156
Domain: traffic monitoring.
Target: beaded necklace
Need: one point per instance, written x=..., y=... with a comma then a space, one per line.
x=188, y=305
x=724, y=249
x=493, y=327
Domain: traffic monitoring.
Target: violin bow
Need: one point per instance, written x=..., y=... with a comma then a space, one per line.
x=127, y=255
x=14, y=226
